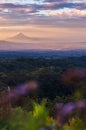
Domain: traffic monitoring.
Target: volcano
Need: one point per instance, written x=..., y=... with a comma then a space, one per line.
x=20, y=37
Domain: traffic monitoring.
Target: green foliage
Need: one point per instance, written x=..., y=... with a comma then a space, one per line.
x=40, y=112
x=36, y=119
x=75, y=124
x=48, y=72
x=20, y=119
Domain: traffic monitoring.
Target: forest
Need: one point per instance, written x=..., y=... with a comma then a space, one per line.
x=43, y=93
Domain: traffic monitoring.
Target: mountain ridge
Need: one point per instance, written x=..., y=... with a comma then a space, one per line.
x=20, y=37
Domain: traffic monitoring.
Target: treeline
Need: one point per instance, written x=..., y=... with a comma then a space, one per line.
x=58, y=78
x=43, y=94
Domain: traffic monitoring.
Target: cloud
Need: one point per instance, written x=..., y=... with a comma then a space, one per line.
x=49, y=12
x=48, y=4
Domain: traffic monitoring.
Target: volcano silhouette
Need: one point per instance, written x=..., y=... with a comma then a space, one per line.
x=20, y=37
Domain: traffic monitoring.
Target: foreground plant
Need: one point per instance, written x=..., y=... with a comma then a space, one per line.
x=37, y=119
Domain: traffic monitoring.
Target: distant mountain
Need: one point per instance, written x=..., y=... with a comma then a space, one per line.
x=20, y=37
x=23, y=42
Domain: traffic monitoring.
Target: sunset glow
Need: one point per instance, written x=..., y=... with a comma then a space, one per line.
x=59, y=20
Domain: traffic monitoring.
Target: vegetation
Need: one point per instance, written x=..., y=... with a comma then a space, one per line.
x=37, y=119
x=43, y=94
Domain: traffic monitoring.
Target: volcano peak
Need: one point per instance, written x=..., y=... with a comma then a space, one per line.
x=20, y=35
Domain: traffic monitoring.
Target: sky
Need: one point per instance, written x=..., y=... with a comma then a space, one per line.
x=60, y=20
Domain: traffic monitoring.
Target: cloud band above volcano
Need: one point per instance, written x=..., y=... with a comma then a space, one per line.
x=40, y=12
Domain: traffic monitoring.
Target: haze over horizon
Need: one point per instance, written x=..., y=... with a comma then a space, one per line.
x=52, y=21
